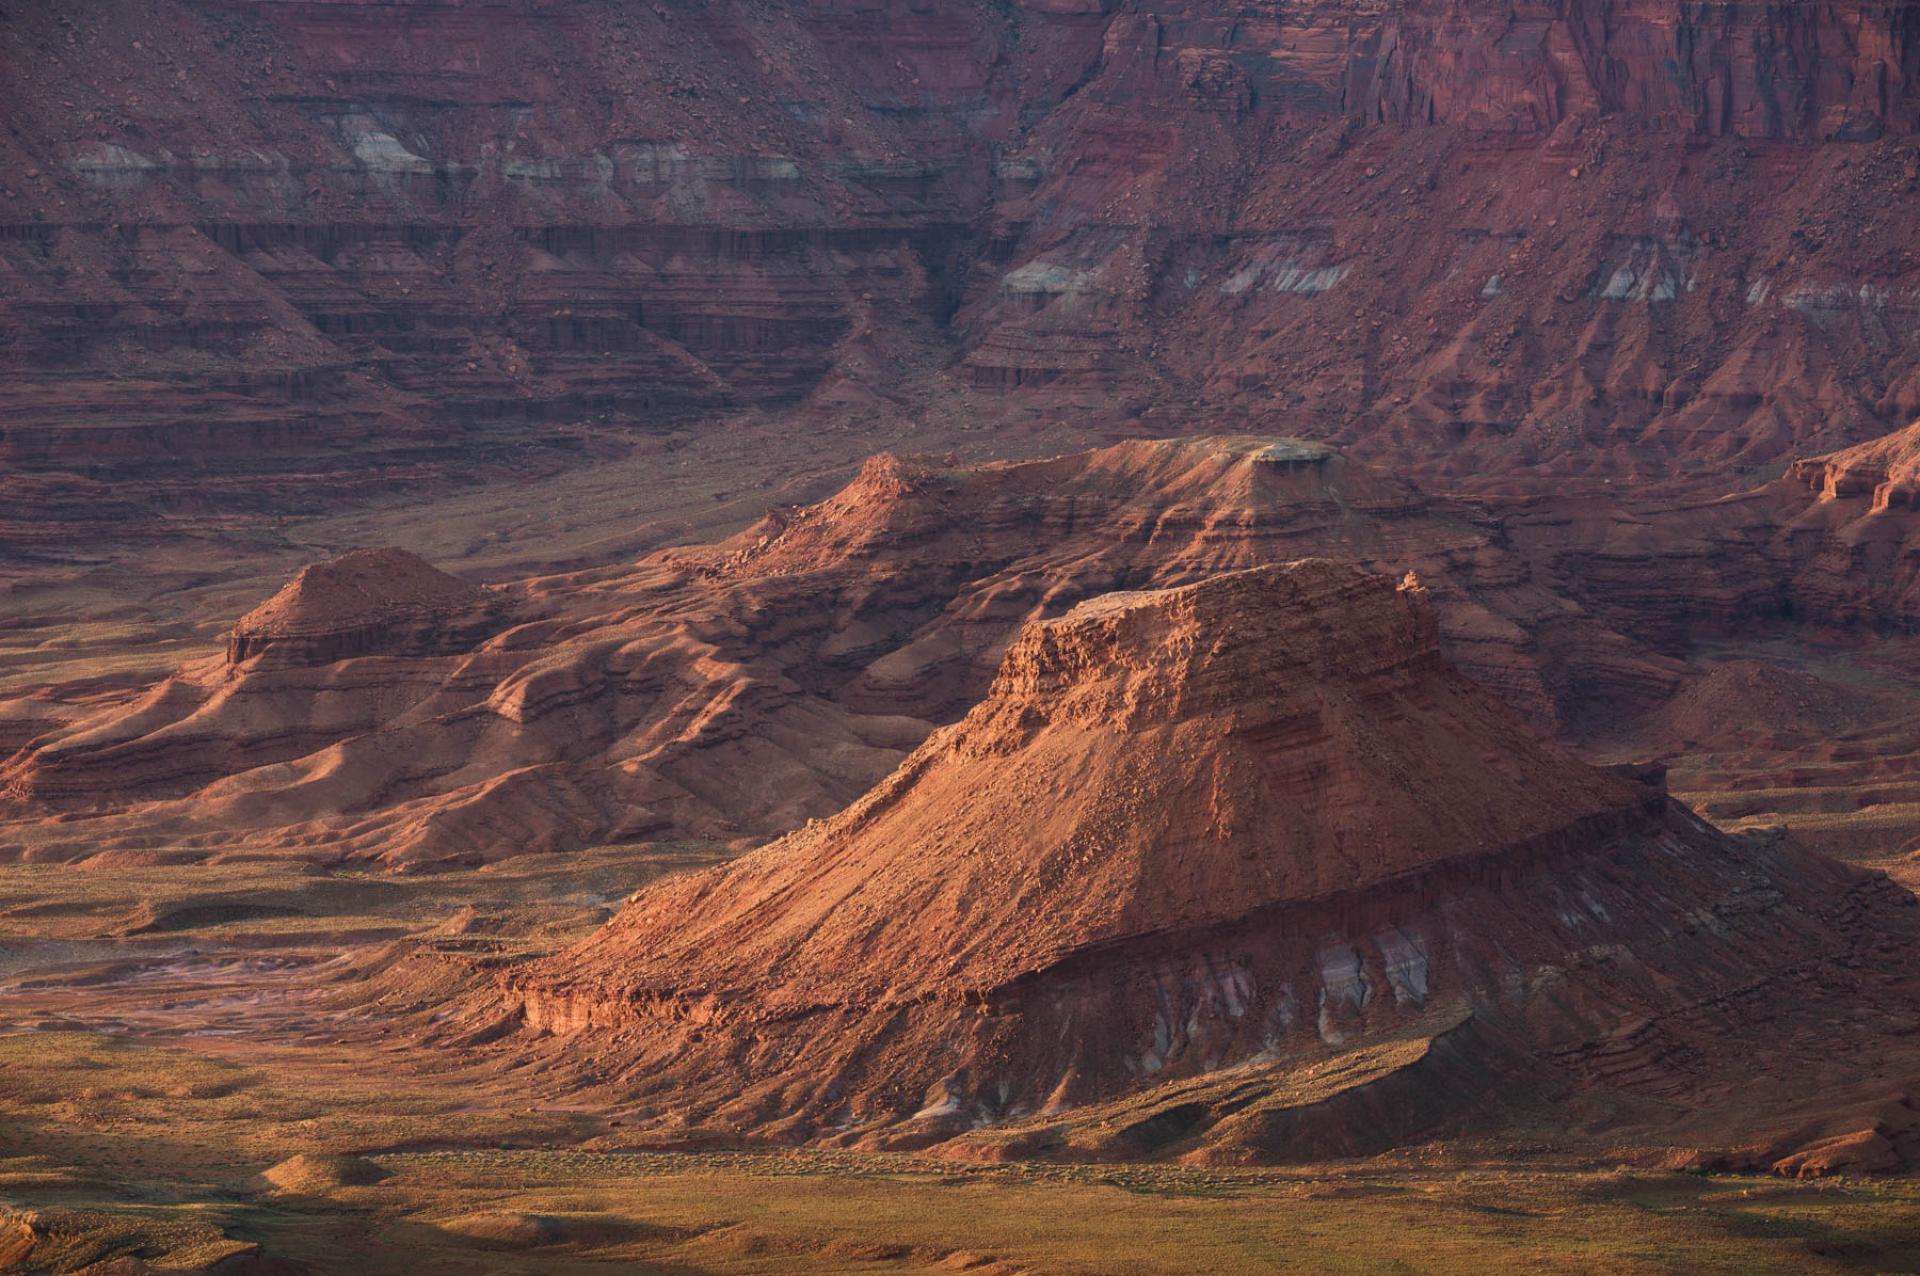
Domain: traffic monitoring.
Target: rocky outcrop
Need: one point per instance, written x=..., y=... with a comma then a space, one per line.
x=1036, y=537
x=1798, y=599
x=367, y=601
x=1241, y=870
x=1083, y=776
x=1885, y=470
x=336, y=653
x=1222, y=207
x=738, y=689
x=1828, y=548
x=378, y=707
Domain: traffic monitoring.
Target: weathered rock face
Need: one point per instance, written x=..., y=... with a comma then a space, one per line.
x=1586, y=294
x=336, y=653
x=1240, y=870
x=316, y=249
x=1829, y=548
x=332, y=247
x=1813, y=74
x=1885, y=470
x=1036, y=537
x=376, y=707
x=367, y=601
x=1119, y=748
x=1808, y=589
x=741, y=688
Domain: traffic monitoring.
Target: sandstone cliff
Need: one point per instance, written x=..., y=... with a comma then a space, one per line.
x=321, y=250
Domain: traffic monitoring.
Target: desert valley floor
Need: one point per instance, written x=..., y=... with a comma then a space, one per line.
x=1043, y=637
x=219, y=1072
x=261, y=1052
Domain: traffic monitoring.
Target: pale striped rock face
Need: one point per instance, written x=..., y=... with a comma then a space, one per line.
x=286, y=256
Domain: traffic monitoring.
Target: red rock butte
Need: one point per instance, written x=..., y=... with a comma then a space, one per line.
x=1198, y=838
x=1150, y=761
x=377, y=707
x=1329, y=584
x=331, y=608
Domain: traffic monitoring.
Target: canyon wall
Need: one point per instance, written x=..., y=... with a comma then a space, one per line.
x=318, y=248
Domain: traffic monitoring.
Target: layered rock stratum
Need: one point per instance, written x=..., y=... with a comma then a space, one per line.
x=378, y=708
x=737, y=689
x=264, y=253
x=1242, y=870
x=363, y=601
x=1797, y=600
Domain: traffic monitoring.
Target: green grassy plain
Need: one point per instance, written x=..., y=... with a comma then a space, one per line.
x=149, y=1077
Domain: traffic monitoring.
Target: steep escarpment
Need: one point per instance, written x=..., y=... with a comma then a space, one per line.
x=1240, y=870
x=337, y=248
x=378, y=708
x=1752, y=72
x=318, y=251
x=1828, y=547
x=1223, y=208
x=1589, y=294
x=1798, y=600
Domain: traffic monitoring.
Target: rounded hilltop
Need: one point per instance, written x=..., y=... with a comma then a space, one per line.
x=361, y=587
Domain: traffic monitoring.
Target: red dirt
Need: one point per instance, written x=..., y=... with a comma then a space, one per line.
x=1609, y=310
x=744, y=687
x=1759, y=705
x=1149, y=761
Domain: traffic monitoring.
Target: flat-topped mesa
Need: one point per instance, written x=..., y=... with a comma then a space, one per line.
x=1221, y=490
x=1150, y=761
x=1243, y=645
x=357, y=604
x=1236, y=824
x=1210, y=841
x=747, y=686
